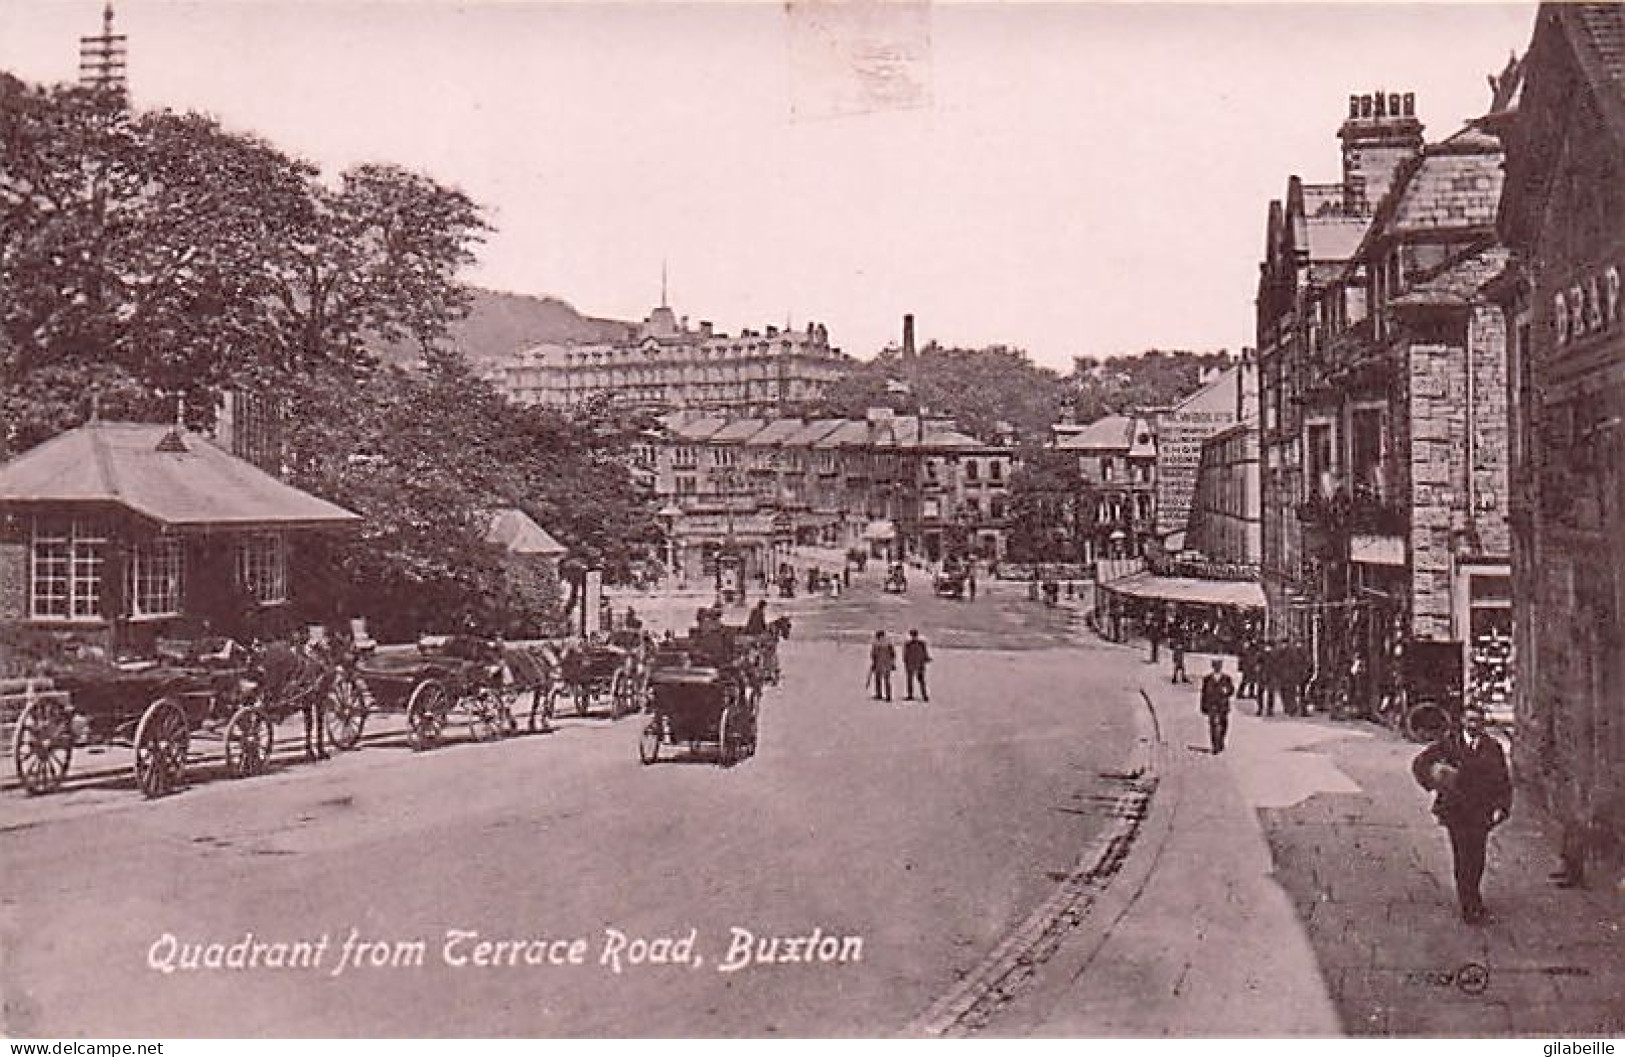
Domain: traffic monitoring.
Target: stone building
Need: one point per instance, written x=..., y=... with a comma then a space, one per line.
x=667, y=365
x=893, y=484
x=1310, y=235
x=1117, y=459
x=1385, y=425
x=1227, y=398
x=1563, y=215
x=1225, y=514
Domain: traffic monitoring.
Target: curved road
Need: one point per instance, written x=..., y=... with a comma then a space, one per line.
x=919, y=835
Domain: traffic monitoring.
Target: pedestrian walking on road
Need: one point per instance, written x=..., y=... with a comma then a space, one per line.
x=915, y=657
x=882, y=659
x=1153, y=631
x=1217, y=689
x=1467, y=773
x=1176, y=648
x=970, y=584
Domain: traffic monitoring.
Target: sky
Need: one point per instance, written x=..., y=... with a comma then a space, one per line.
x=1067, y=178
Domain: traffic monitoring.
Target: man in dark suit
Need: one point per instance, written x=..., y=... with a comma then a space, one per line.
x=1217, y=690
x=1467, y=773
x=915, y=657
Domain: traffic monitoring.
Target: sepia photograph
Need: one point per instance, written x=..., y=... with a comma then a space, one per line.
x=862, y=519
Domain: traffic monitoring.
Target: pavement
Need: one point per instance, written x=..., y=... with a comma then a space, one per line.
x=1298, y=885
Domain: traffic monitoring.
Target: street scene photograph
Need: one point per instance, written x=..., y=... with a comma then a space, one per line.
x=862, y=519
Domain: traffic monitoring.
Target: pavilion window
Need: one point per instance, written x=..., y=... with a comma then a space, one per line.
x=65, y=580
x=262, y=568
x=154, y=578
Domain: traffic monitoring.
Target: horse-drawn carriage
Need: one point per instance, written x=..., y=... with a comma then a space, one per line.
x=705, y=692
x=949, y=581
x=214, y=691
x=614, y=672
x=447, y=674
x=896, y=580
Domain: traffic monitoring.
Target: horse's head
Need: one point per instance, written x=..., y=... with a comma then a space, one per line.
x=780, y=627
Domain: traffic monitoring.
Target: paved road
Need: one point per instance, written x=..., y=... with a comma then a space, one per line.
x=912, y=837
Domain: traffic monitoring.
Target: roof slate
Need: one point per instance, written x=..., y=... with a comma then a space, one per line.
x=198, y=485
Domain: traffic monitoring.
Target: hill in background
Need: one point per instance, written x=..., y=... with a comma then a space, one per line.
x=501, y=324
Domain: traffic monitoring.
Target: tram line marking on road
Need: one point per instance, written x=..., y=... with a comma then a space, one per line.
x=993, y=984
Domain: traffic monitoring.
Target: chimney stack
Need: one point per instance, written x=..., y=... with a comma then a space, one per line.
x=1380, y=134
x=908, y=336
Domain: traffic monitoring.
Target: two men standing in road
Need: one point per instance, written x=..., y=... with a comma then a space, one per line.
x=883, y=659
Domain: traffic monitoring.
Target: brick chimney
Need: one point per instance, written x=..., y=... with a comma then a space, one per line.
x=908, y=336
x=1380, y=134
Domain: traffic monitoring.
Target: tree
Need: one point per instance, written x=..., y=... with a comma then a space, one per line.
x=1122, y=384
x=980, y=389
x=1051, y=507
x=146, y=256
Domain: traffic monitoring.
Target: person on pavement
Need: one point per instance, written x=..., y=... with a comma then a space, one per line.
x=1466, y=771
x=882, y=659
x=915, y=657
x=1153, y=632
x=1217, y=689
x=1269, y=662
x=1177, y=642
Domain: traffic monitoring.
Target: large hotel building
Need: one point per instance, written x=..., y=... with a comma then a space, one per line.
x=664, y=365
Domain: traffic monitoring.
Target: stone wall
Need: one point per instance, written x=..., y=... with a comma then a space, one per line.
x=1487, y=338
x=1437, y=461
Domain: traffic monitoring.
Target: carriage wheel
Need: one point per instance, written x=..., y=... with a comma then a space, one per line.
x=426, y=713
x=620, y=695
x=1426, y=722
x=249, y=739
x=484, y=715
x=726, y=736
x=346, y=711
x=161, y=741
x=42, y=745
x=649, y=741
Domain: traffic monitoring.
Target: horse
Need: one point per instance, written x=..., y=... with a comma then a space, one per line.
x=294, y=676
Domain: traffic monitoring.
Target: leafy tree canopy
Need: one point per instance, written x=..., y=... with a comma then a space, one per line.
x=978, y=388
x=1154, y=378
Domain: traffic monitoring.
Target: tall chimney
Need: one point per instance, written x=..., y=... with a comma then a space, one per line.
x=1380, y=134
x=908, y=336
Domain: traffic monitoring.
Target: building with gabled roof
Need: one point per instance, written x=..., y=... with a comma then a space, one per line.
x=116, y=533
x=769, y=483
x=1384, y=432
x=1562, y=215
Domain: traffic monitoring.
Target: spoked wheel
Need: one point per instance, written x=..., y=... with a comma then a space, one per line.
x=161, y=742
x=249, y=739
x=42, y=745
x=649, y=741
x=346, y=712
x=484, y=715
x=426, y=713
x=1426, y=722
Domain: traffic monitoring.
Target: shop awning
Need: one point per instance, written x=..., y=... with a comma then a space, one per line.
x=1242, y=594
